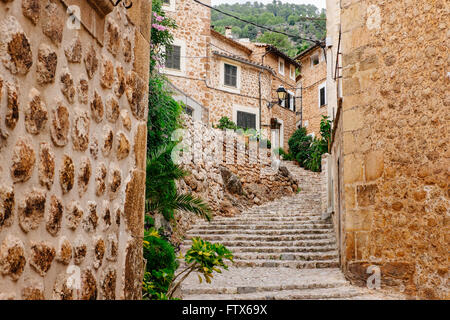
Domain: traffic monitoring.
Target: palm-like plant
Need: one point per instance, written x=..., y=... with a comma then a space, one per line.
x=161, y=192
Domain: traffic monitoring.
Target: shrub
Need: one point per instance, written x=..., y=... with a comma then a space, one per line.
x=226, y=123
x=317, y=149
x=286, y=156
x=299, y=144
x=160, y=267
x=163, y=113
x=158, y=252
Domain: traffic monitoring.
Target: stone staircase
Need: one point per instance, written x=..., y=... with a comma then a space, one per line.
x=282, y=250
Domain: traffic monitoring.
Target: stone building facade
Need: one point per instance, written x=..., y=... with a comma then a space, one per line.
x=203, y=54
x=313, y=89
x=390, y=150
x=73, y=108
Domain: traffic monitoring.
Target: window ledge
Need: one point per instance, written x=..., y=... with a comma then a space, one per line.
x=230, y=89
x=174, y=72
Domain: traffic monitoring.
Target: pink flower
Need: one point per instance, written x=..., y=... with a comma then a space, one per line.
x=159, y=27
x=158, y=18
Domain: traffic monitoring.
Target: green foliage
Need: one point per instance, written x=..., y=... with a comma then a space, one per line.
x=163, y=113
x=317, y=148
x=280, y=41
x=163, y=120
x=158, y=252
x=160, y=267
x=286, y=156
x=161, y=192
x=226, y=123
x=205, y=258
x=161, y=35
x=307, y=151
x=280, y=16
x=299, y=144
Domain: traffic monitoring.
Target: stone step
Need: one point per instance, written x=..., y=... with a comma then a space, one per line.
x=199, y=289
x=275, y=249
x=280, y=213
x=331, y=263
x=261, y=226
x=252, y=238
x=286, y=256
x=290, y=244
x=266, y=220
x=272, y=217
x=344, y=292
x=203, y=232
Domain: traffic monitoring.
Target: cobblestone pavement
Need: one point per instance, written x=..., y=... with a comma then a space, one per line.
x=282, y=250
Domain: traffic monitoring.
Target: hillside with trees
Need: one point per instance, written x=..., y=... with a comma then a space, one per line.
x=286, y=17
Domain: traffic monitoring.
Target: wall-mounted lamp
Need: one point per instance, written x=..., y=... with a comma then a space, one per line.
x=281, y=92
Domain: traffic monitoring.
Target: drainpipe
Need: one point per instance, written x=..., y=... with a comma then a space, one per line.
x=301, y=105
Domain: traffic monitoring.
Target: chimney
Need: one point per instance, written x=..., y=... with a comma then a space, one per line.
x=228, y=33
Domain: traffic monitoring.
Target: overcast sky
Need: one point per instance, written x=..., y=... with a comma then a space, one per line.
x=317, y=3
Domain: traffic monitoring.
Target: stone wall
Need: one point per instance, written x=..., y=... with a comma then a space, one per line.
x=72, y=151
x=395, y=143
x=312, y=77
x=234, y=180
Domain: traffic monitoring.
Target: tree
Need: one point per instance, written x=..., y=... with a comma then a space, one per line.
x=280, y=41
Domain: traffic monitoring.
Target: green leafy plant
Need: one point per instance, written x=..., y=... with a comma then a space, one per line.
x=163, y=113
x=299, y=144
x=205, y=258
x=286, y=156
x=160, y=267
x=308, y=151
x=161, y=192
x=226, y=123
x=319, y=146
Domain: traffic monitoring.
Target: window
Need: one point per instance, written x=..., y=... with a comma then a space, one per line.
x=173, y=59
x=188, y=110
x=290, y=101
x=314, y=60
x=281, y=66
x=292, y=72
x=230, y=75
x=322, y=94
x=169, y=5
x=246, y=120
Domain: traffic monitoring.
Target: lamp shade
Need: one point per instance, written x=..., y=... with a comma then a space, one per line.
x=281, y=93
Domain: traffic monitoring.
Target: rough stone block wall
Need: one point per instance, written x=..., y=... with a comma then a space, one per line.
x=395, y=143
x=312, y=78
x=72, y=149
x=253, y=181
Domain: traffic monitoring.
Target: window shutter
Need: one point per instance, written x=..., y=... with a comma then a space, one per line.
x=246, y=120
x=173, y=59
x=230, y=75
x=322, y=96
